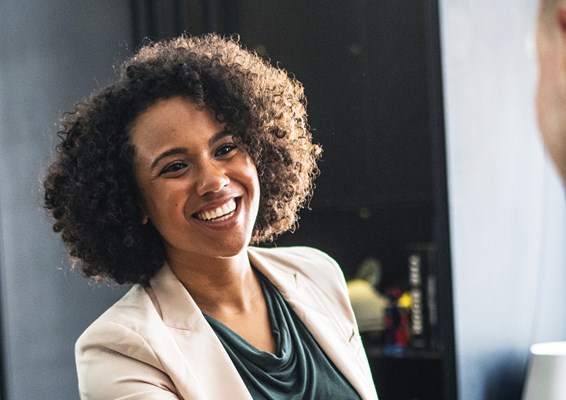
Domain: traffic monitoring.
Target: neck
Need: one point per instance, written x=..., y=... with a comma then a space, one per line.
x=219, y=285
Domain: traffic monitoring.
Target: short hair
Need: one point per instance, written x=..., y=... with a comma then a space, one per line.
x=90, y=189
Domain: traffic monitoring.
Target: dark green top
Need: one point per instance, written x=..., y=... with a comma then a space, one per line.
x=299, y=370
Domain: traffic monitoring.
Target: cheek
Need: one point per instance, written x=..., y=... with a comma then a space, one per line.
x=161, y=202
x=252, y=174
x=248, y=169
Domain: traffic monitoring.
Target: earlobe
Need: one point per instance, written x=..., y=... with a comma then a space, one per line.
x=145, y=217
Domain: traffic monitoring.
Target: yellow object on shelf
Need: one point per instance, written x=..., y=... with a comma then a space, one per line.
x=404, y=301
x=368, y=304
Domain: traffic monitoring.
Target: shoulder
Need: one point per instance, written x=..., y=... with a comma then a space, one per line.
x=117, y=346
x=314, y=267
x=127, y=310
x=120, y=330
x=307, y=261
x=126, y=314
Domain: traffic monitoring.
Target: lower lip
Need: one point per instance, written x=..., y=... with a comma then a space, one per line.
x=226, y=223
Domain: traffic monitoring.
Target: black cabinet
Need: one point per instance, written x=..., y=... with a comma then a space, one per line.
x=416, y=376
x=363, y=65
x=371, y=72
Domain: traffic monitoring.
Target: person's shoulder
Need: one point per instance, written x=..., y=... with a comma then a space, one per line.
x=315, y=273
x=121, y=344
x=296, y=256
x=124, y=319
x=312, y=264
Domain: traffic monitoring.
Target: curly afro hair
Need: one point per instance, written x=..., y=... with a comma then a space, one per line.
x=90, y=188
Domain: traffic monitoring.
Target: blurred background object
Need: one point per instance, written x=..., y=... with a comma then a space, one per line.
x=368, y=304
x=546, y=372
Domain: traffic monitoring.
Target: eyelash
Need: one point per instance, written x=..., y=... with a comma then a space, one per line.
x=178, y=165
x=229, y=146
x=174, y=167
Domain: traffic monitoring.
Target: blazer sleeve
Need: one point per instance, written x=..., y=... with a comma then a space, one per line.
x=114, y=362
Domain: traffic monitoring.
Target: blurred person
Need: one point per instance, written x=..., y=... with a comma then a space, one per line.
x=551, y=91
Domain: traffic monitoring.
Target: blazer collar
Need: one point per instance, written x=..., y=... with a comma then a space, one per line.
x=176, y=306
x=208, y=365
x=179, y=310
x=312, y=311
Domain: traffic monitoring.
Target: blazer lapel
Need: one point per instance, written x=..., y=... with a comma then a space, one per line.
x=308, y=306
x=205, y=370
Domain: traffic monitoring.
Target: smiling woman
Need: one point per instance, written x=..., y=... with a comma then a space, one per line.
x=164, y=179
x=258, y=104
x=198, y=187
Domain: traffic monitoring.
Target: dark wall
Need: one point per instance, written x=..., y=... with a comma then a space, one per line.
x=53, y=52
x=364, y=68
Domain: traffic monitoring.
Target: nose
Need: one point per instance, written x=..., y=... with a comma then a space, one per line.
x=211, y=177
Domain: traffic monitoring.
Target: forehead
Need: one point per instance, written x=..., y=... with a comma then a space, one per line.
x=161, y=111
x=172, y=117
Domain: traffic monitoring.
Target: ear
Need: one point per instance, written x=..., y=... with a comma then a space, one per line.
x=143, y=210
x=561, y=25
x=145, y=216
x=145, y=219
x=561, y=18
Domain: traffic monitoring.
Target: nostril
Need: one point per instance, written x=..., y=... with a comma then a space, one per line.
x=212, y=182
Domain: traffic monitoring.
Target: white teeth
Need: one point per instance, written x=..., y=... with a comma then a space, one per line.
x=219, y=212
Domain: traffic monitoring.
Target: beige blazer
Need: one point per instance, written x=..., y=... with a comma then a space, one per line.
x=154, y=343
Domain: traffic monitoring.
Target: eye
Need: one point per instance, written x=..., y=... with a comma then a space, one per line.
x=174, y=167
x=225, y=149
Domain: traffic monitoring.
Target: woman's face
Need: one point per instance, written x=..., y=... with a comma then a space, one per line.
x=199, y=188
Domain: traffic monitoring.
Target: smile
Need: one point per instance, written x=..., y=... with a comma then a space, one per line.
x=221, y=213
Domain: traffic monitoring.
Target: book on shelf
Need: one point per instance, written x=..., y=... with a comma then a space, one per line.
x=423, y=326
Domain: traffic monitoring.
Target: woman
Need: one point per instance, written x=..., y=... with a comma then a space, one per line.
x=163, y=179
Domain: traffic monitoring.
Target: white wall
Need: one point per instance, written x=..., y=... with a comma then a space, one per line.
x=507, y=214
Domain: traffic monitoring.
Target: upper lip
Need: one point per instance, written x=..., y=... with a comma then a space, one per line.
x=212, y=205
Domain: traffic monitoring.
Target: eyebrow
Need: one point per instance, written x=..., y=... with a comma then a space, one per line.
x=217, y=136
x=170, y=152
x=183, y=150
